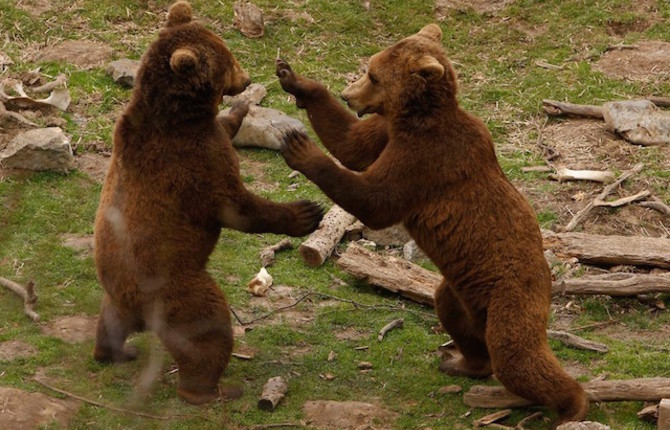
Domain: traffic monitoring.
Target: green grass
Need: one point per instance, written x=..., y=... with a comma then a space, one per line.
x=495, y=58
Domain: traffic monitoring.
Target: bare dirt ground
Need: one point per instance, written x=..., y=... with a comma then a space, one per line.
x=331, y=415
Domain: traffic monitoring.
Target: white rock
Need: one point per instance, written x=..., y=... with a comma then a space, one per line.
x=39, y=149
x=638, y=121
x=124, y=71
x=583, y=425
x=253, y=94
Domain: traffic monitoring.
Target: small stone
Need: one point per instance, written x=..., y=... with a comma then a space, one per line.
x=365, y=365
x=123, y=71
x=411, y=251
x=39, y=149
x=248, y=19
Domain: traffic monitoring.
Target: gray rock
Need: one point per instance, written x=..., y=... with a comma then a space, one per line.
x=39, y=149
x=411, y=251
x=638, y=121
x=584, y=425
x=124, y=71
x=395, y=235
x=263, y=128
x=253, y=94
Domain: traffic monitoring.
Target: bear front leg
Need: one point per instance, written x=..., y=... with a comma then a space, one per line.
x=232, y=122
x=355, y=143
x=472, y=358
x=111, y=333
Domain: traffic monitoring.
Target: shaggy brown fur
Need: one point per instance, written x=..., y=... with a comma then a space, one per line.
x=172, y=185
x=427, y=163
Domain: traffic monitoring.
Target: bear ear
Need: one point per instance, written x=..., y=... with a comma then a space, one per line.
x=430, y=68
x=183, y=60
x=179, y=13
x=432, y=32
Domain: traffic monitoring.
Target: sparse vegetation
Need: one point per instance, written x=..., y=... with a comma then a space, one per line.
x=329, y=40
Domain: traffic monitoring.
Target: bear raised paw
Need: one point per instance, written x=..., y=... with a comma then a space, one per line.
x=430, y=165
x=173, y=183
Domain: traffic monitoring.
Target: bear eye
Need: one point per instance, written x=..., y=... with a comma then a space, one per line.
x=372, y=78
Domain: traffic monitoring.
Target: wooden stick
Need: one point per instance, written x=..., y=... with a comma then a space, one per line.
x=15, y=116
x=390, y=326
x=273, y=391
x=623, y=200
x=321, y=243
x=610, y=250
x=491, y=418
x=564, y=174
x=656, y=204
x=267, y=254
x=642, y=389
x=609, y=189
x=574, y=341
x=555, y=108
x=659, y=101
x=613, y=284
x=27, y=294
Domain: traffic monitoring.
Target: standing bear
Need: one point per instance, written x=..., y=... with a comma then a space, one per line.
x=173, y=183
x=430, y=165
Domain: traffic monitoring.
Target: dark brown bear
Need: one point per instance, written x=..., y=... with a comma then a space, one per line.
x=430, y=165
x=173, y=183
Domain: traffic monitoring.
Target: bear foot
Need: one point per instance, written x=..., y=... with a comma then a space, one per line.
x=454, y=364
x=107, y=355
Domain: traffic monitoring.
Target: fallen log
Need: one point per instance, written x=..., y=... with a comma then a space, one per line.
x=391, y=273
x=321, y=243
x=613, y=284
x=610, y=250
x=574, y=341
x=641, y=389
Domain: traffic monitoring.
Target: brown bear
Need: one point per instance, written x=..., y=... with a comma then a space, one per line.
x=430, y=165
x=173, y=183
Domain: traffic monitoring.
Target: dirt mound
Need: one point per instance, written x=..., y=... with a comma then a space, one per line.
x=72, y=329
x=83, y=53
x=324, y=414
x=26, y=411
x=14, y=349
x=648, y=62
x=443, y=7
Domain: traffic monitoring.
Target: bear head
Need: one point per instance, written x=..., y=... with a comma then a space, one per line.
x=188, y=68
x=409, y=75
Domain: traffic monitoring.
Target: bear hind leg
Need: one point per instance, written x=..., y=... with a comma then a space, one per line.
x=526, y=366
x=472, y=357
x=112, y=331
x=201, y=342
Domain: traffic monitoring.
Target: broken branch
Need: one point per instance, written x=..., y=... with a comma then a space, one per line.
x=574, y=341
x=267, y=254
x=27, y=294
x=321, y=243
x=641, y=389
x=564, y=174
x=555, y=108
x=623, y=200
x=656, y=204
x=273, y=391
x=609, y=189
x=390, y=326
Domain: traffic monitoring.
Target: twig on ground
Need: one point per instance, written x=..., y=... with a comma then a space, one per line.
x=530, y=417
x=656, y=204
x=594, y=325
x=15, y=116
x=117, y=409
x=620, y=46
x=267, y=254
x=390, y=326
x=609, y=189
x=570, y=339
x=623, y=200
x=276, y=426
x=272, y=312
x=27, y=294
x=556, y=108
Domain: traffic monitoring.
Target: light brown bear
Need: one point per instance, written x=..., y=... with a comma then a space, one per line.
x=173, y=183
x=430, y=165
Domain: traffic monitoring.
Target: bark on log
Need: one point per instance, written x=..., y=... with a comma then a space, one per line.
x=610, y=250
x=642, y=389
x=273, y=391
x=321, y=243
x=393, y=274
x=613, y=284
